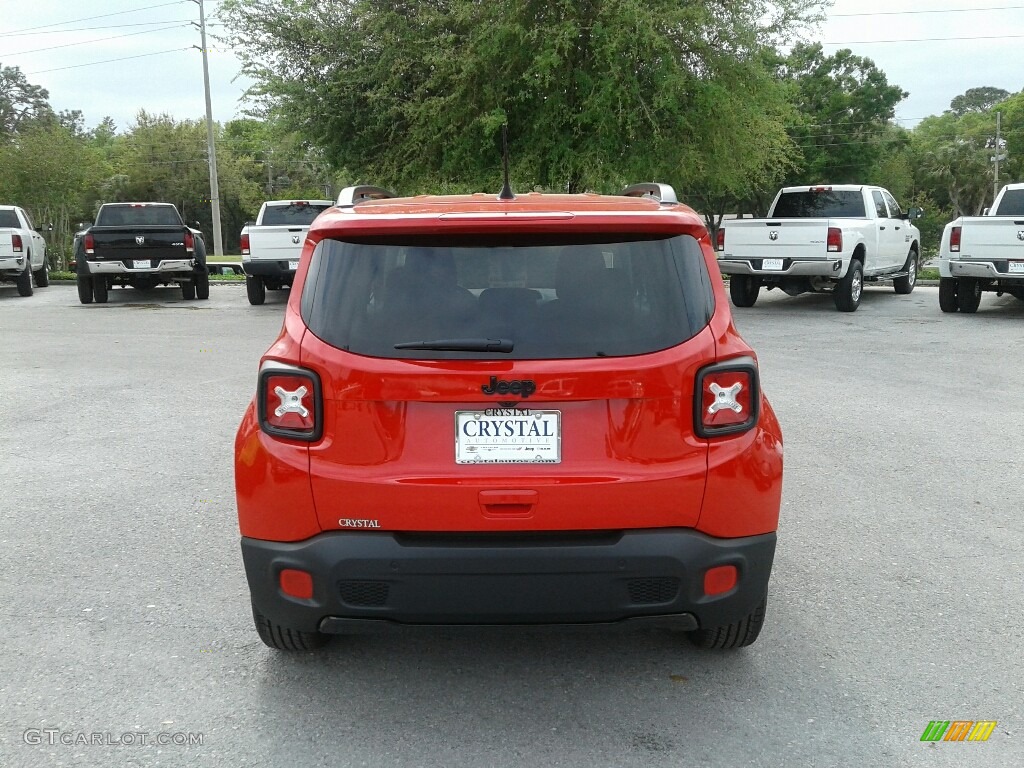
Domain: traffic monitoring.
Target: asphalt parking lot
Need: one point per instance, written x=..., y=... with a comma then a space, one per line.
x=896, y=597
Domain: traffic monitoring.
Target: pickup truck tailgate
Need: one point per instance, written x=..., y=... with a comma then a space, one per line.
x=276, y=242
x=991, y=238
x=774, y=238
x=154, y=242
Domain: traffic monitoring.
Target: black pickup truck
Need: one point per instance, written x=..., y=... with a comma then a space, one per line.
x=142, y=245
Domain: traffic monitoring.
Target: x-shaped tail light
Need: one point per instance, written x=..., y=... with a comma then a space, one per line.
x=291, y=402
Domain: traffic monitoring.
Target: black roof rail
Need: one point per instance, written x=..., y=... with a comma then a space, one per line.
x=663, y=193
x=349, y=196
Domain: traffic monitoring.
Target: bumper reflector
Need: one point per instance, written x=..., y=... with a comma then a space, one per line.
x=720, y=579
x=296, y=583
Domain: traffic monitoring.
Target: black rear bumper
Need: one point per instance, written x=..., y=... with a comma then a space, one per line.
x=382, y=578
x=277, y=270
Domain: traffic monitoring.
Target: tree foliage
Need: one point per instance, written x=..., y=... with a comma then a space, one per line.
x=21, y=103
x=412, y=93
x=844, y=107
x=977, y=100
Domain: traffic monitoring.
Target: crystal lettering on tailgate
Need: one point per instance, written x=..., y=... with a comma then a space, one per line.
x=346, y=522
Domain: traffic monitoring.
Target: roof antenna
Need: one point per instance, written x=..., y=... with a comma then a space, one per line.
x=506, y=189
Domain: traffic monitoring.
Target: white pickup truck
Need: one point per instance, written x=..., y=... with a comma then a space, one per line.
x=272, y=244
x=22, y=251
x=822, y=239
x=983, y=253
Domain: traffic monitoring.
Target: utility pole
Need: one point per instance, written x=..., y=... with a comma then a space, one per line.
x=995, y=178
x=218, y=241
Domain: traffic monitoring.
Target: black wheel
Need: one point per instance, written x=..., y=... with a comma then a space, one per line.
x=188, y=290
x=849, y=290
x=285, y=639
x=99, y=289
x=743, y=289
x=256, y=290
x=968, y=294
x=84, y=288
x=904, y=285
x=947, y=294
x=201, y=281
x=42, y=275
x=739, y=634
x=24, y=281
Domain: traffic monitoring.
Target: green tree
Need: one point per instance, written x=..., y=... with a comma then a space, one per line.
x=977, y=100
x=21, y=103
x=163, y=159
x=844, y=107
x=413, y=93
x=54, y=175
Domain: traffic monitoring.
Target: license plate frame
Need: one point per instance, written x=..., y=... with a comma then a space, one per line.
x=771, y=265
x=142, y=263
x=293, y=266
x=1015, y=267
x=539, y=444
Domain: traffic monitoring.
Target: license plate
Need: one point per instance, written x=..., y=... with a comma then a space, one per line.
x=1017, y=267
x=140, y=264
x=771, y=263
x=293, y=265
x=508, y=436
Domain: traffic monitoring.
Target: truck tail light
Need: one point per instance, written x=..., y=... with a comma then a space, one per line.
x=90, y=244
x=727, y=398
x=954, y=240
x=290, y=402
x=245, y=243
x=16, y=243
x=190, y=241
x=720, y=239
x=834, y=242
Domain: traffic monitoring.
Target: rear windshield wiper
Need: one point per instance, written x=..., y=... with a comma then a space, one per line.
x=460, y=345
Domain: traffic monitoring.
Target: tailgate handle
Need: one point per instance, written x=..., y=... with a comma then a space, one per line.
x=297, y=229
x=508, y=503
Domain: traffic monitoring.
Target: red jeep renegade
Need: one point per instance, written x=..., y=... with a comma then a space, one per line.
x=508, y=410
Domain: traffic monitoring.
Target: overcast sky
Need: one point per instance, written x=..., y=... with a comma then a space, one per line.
x=941, y=54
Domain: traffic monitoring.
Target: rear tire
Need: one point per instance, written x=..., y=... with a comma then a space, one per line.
x=739, y=634
x=849, y=290
x=43, y=275
x=24, y=280
x=968, y=294
x=256, y=290
x=201, y=281
x=905, y=285
x=84, y=288
x=743, y=289
x=284, y=639
x=99, y=289
x=947, y=294
x=188, y=290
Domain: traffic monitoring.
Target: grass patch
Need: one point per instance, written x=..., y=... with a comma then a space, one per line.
x=928, y=273
x=210, y=258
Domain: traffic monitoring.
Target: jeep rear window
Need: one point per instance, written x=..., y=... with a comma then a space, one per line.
x=1012, y=203
x=551, y=297
x=132, y=215
x=824, y=204
x=295, y=215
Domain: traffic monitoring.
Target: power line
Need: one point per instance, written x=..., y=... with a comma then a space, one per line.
x=90, y=18
x=933, y=10
x=99, y=39
x=109, y=61
x=923, y=40
x=86, y=29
